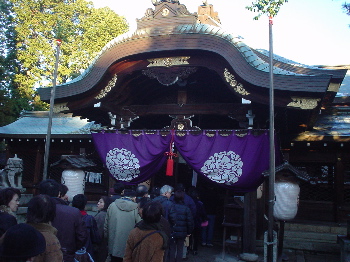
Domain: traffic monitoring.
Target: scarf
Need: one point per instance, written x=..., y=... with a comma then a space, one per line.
x=142, y=225
x=6, y=209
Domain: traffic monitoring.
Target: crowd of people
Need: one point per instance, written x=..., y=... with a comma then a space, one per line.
x=131, y=225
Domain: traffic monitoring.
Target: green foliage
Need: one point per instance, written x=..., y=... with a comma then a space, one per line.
x=268, y=7
x=8, y=63
x=29, y=58
x=346, y=7
x=83, y=30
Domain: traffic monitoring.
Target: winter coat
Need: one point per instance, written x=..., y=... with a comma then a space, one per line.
x=7, y=219
x=53, y=251
x=188, y=202
x=100, y=220
x=151, y=248
x=201, y=215
x=181, y=220
x=166, y=204
x=122, y=215
x=93, y=234
x=71, y=231
x=101, y=249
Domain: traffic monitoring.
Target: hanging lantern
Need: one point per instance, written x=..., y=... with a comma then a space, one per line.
x=74, y=179
x=170, y=154
x=287, y=199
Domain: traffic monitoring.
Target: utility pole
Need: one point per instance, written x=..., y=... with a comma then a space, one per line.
x=271, y=238
x=52, y=104
x=270, y=8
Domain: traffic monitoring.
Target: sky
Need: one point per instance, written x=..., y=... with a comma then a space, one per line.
x=311, y=32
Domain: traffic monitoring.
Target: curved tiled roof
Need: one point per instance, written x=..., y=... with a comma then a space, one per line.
x=189, y=37
x=36, y=123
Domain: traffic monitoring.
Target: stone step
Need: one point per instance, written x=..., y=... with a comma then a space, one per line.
x=309, y=237
x=324, y=228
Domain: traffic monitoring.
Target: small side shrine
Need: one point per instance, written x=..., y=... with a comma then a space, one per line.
x=25, y=139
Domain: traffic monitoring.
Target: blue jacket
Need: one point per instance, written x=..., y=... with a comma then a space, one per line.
x=181, y=221
x=166, y=204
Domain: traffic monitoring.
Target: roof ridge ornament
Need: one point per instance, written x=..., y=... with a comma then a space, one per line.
x=158, y=2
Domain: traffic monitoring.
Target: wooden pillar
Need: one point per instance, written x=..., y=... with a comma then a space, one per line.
x=249, y=225
x=37, y=168
x=339, y=187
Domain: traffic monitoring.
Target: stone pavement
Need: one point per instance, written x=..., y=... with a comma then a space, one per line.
x=214, y=254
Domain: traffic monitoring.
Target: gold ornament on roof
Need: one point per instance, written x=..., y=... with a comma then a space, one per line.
x=60, y=107
x=238, y=87
x=168, y=61
x=108, y=88
x=304, y=102
x=165, y=12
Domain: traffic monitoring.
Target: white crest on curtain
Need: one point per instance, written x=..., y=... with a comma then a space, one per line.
x=224, y=167
x=122, y=164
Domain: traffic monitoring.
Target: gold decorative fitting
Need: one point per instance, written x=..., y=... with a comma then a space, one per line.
x=304, y=103
x=168, y=61
x=136, y=134
x=240, y=90
x=209, y=135
x=165, y=12
x=180, y=126
x=333, y=87
x=238, y=87
x=60, y=107
x=108, y=88
x=180, y=134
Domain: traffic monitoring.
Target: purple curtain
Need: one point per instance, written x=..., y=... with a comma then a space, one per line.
x=234, y=160
x=133, y=157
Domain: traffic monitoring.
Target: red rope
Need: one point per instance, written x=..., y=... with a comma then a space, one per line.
x=170, y=154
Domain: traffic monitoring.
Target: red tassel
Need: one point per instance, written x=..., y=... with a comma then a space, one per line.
x=170, y=167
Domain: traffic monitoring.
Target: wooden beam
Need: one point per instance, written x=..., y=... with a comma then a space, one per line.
x=188, y=109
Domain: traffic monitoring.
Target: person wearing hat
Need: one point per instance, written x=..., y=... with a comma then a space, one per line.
x=22, y=243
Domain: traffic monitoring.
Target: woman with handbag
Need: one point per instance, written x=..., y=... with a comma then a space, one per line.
x=181, y=221
x=147, y=241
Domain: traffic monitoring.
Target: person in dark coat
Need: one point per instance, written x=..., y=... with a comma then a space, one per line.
x=201, y=216
x=118, y=189
x=181, y=220
x=164, y=199
x=71, y=231
x=101, y=249
x=188, y=201
x=9, y=201
x=141, y=191
x=22, y=243
x=79, y=201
